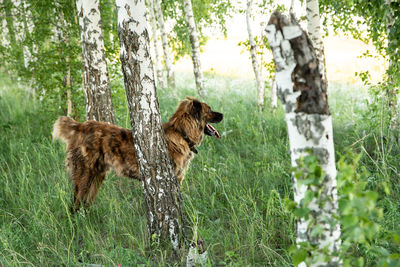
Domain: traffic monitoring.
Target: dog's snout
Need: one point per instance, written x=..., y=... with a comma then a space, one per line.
x=217, y=117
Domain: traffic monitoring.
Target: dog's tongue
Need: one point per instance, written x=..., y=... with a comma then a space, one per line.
x=213, y=130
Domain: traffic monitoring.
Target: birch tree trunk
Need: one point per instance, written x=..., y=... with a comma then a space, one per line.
x=3, y=23
x=254, y=61
x=8, y=6
x=161, y=189
x=12, y=27
x=157, y=61
x=164, y=38
x=274, y=98
x=304, y=98
x=314, y=31
x=5, y=35
x=62, y=32
x=96, y=80
x=20, y=32
x=194, y=42
x=392, y=91
x=27, y=33
x=291, y=6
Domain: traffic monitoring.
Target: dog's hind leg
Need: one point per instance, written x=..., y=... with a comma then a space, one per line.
x=80, y=176
x=75, y=203
x=94, y=187
x=87, y=187
x=81, y=189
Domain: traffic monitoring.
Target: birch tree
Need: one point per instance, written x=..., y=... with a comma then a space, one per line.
x=164, y=39
x=274, y=98
x=26, y=15
x=63, y=37
x=314, y=31
x=194, y=42
x=157, y=60
x=95, y=74
x=304, y=97
x=291, y=6
x=393, y=90
x=161, y=189
x=16, y=49
x=4, y=36
x=19, y=31
x=254, y=61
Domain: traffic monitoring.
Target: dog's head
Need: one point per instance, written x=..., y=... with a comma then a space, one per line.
x=203, y=113
x=193, y=118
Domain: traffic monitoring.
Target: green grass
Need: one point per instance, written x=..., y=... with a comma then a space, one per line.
x=233, y=192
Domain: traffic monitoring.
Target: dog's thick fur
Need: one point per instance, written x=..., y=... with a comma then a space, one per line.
x=93, y=148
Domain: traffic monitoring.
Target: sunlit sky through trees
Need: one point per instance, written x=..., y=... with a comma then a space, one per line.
x=224, y=56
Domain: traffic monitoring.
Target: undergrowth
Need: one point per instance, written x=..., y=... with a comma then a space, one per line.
x=234, y=191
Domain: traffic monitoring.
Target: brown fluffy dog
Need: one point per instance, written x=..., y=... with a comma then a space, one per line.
x=93, y=148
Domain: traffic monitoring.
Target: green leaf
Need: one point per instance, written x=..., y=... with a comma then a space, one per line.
x=349, y=220
x=298, y=256
x=317, y=231
x=309, y=196
x=301, y=212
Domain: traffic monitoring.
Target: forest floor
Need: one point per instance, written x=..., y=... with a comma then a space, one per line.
x=234, y=192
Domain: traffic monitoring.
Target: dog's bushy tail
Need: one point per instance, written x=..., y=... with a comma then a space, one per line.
x=64, y=129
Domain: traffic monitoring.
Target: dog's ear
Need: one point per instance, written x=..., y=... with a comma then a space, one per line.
x=196, y=109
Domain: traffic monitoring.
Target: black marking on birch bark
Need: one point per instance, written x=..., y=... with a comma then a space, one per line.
x=303, y=125
x=306, y=75
x=322, y=154
x=282, y=94
x=134, y=37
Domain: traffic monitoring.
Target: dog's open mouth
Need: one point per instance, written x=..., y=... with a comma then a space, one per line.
x=211, y=131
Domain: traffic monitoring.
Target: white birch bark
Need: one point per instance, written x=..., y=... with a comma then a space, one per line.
x=29, y=26
x=23, y=30
x=194, y=42
x=291, y=6
x=254, y=61
x=274, y=98
x=96, y=80
x=5, y=34
x=68, y=83
x=314, y=31
x=12, y=28
x=161, y=189
x=197, y=255
x=309, y=124
x=32, y=47
x=392, y=91
x=389, y=23
x=5, y=41
x=27, y=30
x=154, y=31
x=20, y=32
x=63, y=36
x=16, y=11
x=164, y=39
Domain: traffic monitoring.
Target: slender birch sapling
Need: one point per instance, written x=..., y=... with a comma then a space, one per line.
x=254, y=61
x=164, y=38
x=194, y=42
x=154, y=31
